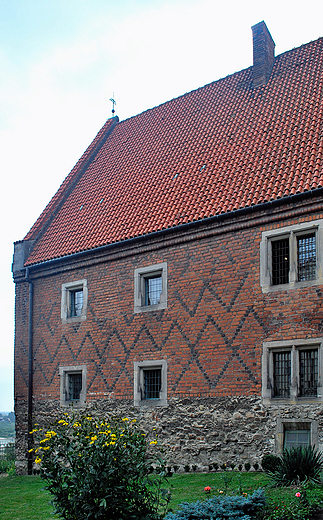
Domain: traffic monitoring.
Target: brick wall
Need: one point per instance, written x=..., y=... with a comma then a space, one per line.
x=211, y=332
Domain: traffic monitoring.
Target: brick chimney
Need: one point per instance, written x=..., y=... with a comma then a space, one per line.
x=263, y=54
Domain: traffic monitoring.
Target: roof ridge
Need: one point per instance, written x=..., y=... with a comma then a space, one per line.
x=65, y=189
x=231, y=75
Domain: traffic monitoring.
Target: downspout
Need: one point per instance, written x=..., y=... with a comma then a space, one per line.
x=30, y=372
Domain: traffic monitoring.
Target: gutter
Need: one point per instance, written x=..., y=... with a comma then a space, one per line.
x=30, y=372
x=185, y=227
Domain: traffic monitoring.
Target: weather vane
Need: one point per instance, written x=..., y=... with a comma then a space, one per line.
x=113, y=103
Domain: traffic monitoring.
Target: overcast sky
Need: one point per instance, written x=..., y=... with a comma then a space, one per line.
x=62, y=60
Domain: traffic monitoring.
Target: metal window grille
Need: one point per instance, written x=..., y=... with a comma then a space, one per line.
x=152, y=383
x=76, y=302
x=308, y=368
x=306, y=255
x=74, y=386
x=282, y=373
x=294, y=438
x=153, y=289
x=280, y=261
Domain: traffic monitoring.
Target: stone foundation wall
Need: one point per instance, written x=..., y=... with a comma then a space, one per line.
x=200, y=431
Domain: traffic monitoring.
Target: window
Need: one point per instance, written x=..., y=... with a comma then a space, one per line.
x=294, y=438
x=291, y=370
x=150, y=383
x=291, y=433
x=74, y=301
x=281, y=374
x=72, y=385
x=291, y=256
x=150, y=288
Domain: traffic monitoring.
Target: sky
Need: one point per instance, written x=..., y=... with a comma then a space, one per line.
x=61, y=61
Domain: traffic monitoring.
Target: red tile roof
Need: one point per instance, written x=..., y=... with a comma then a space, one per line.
x=217, y=149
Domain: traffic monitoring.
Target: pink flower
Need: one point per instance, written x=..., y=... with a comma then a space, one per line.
x=207, y=489
x=297, y=494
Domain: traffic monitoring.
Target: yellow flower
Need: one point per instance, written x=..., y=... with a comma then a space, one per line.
x=38, y=460
x=29, y=451
x=50, y=434
x=76, y=425
x=94, y=438
x=125, y=419
x=153, y=442
x=46, y=448
x=43, y=440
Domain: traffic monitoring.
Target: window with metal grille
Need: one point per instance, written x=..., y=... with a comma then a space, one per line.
x=280, y=261
x=306, y=256
x=153, y=289
x=152, y=383
x=76, y=302
x=308, y=373
x=74, y=386
x=282, y=373
x=294, y=438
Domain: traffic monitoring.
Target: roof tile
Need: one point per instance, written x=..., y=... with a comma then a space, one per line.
x=220, y=148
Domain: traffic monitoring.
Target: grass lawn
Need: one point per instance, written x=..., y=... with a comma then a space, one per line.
x=23, y=498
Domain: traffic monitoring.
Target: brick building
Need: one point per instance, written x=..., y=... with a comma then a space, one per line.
x=176, y=275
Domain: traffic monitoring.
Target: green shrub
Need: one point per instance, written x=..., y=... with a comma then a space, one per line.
x=217, y=508
x=270, y=463
x=298, y=508
x=101, y=468
x=300, y=464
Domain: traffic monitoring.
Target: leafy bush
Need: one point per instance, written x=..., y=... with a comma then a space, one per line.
x=270, y=463
x=99, y=469
x=297, y=465
x=297, y=509
x=218, y=508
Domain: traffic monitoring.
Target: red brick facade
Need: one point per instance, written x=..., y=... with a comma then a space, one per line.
x=211, y=332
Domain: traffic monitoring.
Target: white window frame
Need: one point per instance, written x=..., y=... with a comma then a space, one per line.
x=269, y=347
x=67, y=289
x=140, y=275
x=139, y=368
x=64, y=373
x=291, y=232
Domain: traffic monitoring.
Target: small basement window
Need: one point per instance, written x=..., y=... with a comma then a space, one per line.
x=291, y=433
